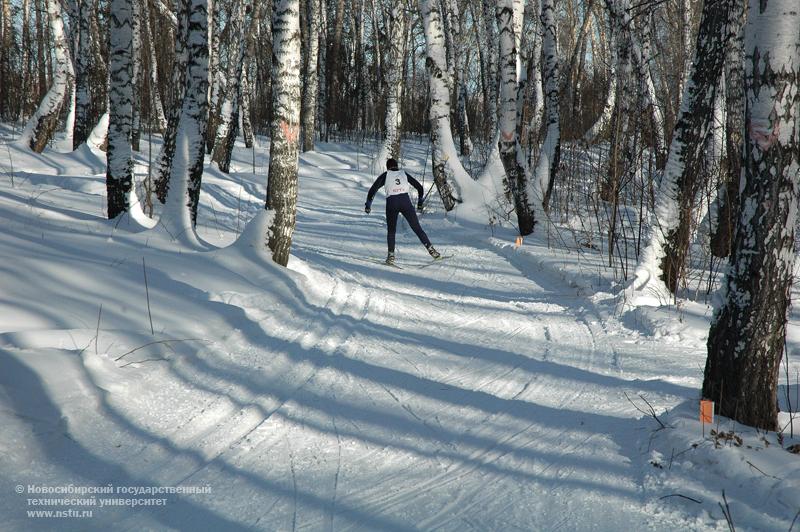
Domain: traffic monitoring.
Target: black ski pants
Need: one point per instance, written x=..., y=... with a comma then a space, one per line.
x=401, y=204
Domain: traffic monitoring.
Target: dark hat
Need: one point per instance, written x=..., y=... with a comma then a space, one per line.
x=391, y=164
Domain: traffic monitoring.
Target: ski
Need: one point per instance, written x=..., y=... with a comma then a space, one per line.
x=382, y=263
x=434, y=261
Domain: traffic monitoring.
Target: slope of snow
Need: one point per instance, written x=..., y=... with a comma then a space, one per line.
x=496, y=390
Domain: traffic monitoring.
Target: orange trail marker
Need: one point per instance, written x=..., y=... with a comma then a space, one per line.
x=706, y=413
x=518, y=243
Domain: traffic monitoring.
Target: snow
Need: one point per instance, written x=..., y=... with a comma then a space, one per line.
x=497, y=390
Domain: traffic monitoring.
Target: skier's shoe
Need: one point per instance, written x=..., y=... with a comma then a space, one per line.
x=390, y=259
x=435, y=254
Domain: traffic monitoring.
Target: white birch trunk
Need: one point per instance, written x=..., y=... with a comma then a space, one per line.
x=228, y=121
x=180, y=211
x=602, y=122
x=541, y=185
x=119, y=173
x=748, y=331
x=397, y=24
x=311, y=86
x=642, y=57
x=83, y=88
x=285, y=128
x=453, y=182
x=156, y=103
x=167, y=154
x=41, y=126
x=491, y=48
x=678, y=190
x=516, y=181
x=136, y=73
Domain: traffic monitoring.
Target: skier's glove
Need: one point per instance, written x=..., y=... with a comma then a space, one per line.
x=419, y=207
x=367, y=208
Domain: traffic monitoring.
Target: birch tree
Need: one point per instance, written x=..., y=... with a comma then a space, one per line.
x=167, y=153
x=447, y=168
x=604, y=119
x=550, y=155
x=180, y=212
x=119, y=172
x=748, y=331
x=83, y=74
x=664, y=257
x=228, y=123
x=285, y=128
x=728, y=196
x=516, y=182
x=311, y=85
x=397, y=25
x=491, y=47
x=41, y=126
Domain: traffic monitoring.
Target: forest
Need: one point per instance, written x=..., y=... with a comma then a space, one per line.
x=660, y=86
x=664, y=134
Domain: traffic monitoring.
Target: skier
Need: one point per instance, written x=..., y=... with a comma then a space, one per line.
x=395, y=183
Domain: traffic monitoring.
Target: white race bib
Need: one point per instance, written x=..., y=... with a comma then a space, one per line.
x=396, y=183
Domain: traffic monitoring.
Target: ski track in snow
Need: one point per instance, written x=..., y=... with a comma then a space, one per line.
x=480, y=393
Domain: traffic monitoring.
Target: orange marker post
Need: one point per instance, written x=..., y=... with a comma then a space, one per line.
x=706, y=413
x=518, y=243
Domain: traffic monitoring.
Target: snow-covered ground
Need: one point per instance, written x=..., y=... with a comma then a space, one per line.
x=163, y=388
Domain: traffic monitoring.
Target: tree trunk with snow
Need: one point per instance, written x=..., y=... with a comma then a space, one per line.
x=246, y=101
x=748, y=332
x=621, y=153
x=228, y=123
x=217, y=79
x=491, y=48
x=573, y=74
x=535, y=87
x=397, y=24
x=311, y=85
x=41, y=126
x=180, y=212
x=516, y=182
x=247, y=84
x=167, y=153
x=550, y=155
x=156, y=103
x=445, y=160
x=83, y=74
x=728, y=198
x=602, y=122
x=666, y=252
x=119, y=173
x=285, y=127
x=642, y=56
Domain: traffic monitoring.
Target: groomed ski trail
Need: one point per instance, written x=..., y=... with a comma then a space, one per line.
x=482, y=393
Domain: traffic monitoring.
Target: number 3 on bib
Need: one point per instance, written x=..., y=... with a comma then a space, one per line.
x=396, y=183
